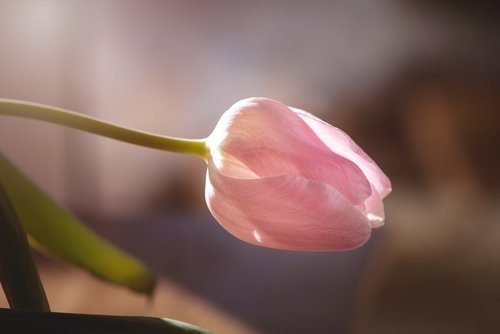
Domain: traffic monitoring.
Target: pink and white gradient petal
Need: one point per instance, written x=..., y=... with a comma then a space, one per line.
x=285, y=212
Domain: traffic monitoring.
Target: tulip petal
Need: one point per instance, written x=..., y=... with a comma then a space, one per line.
x=271, y=140
x=374, y=210
x=339, y=142
x=285, y=212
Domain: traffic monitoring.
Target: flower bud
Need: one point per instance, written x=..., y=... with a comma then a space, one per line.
x=280, y=177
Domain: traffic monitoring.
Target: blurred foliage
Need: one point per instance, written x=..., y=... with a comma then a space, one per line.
x=15, y=322
x=18, y=274
x=55, y=231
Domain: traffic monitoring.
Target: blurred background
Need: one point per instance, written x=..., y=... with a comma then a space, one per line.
x=415, y=83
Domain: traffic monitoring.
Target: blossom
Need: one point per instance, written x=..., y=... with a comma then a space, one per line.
x=280, y=177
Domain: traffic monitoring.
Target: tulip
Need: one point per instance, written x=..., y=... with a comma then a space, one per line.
x=277, y=176
x=280, y=177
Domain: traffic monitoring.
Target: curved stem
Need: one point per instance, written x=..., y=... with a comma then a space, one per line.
x=93, y=125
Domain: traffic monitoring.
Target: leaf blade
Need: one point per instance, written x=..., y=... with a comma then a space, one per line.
x=16, y=321
x=61, y=234
x=18, y=273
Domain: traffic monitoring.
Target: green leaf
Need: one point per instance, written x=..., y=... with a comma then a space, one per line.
x=15, y=321
x=18, y=274
x=56, y=231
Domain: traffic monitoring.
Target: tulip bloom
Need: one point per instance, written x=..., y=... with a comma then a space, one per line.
x=277, y=176
x=280, y=177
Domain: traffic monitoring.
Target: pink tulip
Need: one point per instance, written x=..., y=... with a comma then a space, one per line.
x=279, y=177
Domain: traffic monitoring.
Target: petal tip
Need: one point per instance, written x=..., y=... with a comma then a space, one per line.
x=375, y=221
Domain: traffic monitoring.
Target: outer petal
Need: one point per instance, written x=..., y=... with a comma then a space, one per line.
x=339, y=142
x=272, y=140
x=285, y=212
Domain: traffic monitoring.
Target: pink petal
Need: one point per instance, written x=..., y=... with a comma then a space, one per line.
x=285, y=212
x=271, y=140
x=374, y=210
x=339, y=142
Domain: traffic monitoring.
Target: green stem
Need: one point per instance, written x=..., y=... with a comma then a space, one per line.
x=93, y=125
x=18, y=274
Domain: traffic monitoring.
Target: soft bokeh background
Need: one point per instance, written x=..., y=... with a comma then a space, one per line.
x=415, y=83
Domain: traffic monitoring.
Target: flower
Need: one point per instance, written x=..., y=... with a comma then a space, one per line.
x=280, y=177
